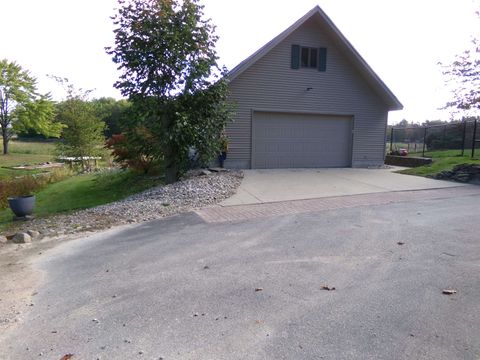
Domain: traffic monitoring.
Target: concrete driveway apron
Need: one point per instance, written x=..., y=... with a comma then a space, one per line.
x=265, y=186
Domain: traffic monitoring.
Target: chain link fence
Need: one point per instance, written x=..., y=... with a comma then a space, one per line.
x=458, y=138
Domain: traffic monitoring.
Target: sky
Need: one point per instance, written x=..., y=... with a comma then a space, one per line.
x=402, y=41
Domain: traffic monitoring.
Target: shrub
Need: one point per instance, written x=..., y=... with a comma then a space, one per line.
x=135, y=151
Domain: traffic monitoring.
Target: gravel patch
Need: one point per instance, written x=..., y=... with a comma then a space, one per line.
x=197, y=190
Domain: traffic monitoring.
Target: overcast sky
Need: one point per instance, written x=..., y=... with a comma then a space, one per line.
x=401, y=40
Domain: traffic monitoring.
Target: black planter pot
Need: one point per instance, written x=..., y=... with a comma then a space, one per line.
x=22, y=205
x=222, y=157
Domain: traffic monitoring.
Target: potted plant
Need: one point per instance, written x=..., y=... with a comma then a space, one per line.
x=22, y=206
x=223, y=149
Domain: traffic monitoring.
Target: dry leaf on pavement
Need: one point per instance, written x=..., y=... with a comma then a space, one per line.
x=328, y=288
x=449, y=291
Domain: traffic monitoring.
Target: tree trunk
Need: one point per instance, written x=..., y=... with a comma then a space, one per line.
x=172, y=169
x=171, y=166
x=5, y=141
x=171, y=174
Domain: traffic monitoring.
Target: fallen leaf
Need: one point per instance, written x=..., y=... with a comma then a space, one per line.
x=66, y=357
x=449, y=291
x=328, y=288
x=258, y=289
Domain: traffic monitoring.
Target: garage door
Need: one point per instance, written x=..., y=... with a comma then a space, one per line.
x=300, y=141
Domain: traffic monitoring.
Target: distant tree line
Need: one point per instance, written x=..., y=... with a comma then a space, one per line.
x=107, y=109
x=178, y=104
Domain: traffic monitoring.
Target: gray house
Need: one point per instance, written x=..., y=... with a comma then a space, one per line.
x=307, y=99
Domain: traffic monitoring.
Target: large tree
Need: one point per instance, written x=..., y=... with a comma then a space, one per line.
x=37, y=116
x=21, y=107
x=166, y=52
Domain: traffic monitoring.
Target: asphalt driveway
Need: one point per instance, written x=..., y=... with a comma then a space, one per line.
x=263, y=186
x=181, y=288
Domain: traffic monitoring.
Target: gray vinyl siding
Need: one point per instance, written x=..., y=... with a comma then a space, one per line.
x=271, y=85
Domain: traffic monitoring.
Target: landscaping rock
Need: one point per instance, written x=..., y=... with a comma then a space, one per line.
x=3, y=239
x=22, y=238
x=33, y=233
x=465, y=173
x=443, y=175
x=462, y=177
x=192, y=192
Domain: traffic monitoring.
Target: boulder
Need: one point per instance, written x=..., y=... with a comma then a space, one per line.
x=22, y=238
x=205, y=172
x=217, y=169
x=33, y=233
x=3, y=239
x=462, y=177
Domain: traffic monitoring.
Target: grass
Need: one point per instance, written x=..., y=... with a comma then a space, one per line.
x=74, y=193
x=85, y=191
x=32, y=147
x=442, y=160
x=24, y=152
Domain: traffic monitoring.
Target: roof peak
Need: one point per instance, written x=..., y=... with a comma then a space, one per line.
x=362, y=65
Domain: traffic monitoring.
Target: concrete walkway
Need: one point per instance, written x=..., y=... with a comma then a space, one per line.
x=264, y=186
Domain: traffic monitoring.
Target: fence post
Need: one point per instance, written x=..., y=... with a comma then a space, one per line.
x=474, y=138
x=464, y=135
x=391, y=140
x=444, y=136
x=424, y=138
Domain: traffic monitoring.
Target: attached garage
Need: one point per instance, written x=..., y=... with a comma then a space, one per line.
x=292, y=140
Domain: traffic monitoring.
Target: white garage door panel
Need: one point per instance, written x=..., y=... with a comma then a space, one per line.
x=301, y=141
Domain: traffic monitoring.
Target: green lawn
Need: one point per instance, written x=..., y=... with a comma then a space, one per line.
x=24, y=152
x=85, y=191
x=442, y=160
x=31, y=147
x=76, y=192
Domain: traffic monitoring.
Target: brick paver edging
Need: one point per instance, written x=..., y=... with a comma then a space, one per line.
x=219, y=214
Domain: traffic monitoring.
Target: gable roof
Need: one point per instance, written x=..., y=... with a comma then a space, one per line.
x=372, y=78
